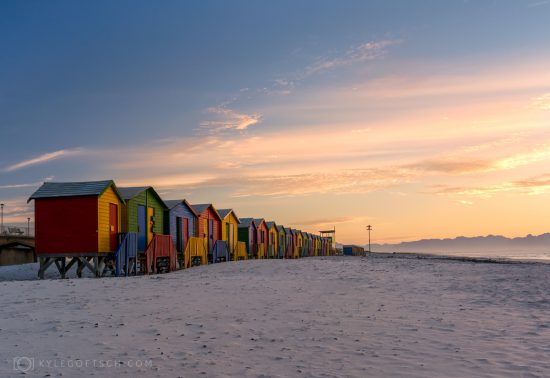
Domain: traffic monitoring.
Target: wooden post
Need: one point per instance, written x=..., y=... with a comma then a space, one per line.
x=63, y=267
x=96, y=266
x=81, y=265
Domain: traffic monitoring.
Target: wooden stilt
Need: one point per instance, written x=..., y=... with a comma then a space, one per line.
x=45, y=263
x=70, y=264
x=63, y=267
x=81, y=266
x=57, y=262
x=96, y=266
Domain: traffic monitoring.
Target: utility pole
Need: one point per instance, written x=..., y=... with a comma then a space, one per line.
x=369, y=229
x=28, y=226
x=2, y=219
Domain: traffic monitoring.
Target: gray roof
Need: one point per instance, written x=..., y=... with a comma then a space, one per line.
x=225, y=212
x=132, y=191
x=72, y=189
x=245, y=222
x=270, y=224
x=281, y=228
x=258, y=221
x=172, y=203
x=199, y=208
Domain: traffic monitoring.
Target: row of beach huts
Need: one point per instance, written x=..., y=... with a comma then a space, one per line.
x=127, y=231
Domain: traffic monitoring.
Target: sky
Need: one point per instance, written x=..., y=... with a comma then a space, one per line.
x=425, y=119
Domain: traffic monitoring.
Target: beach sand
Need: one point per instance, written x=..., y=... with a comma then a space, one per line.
x=313, y=317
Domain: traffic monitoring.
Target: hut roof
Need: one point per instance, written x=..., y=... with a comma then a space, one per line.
x=173, y=203
x=130, y=192
x=245, y=222
x=271, y=224
x=201, y=207
x=281, y=228
x=74, y=189
x=259, y=221
x=225, y=212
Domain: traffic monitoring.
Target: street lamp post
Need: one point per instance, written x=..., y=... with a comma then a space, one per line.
x=1, y=219
x=28, y=226
x=369, y=229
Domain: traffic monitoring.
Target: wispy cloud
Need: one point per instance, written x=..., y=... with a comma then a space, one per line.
x=453, y=167
x=17, y=210
x=465, y=164
x=357, y=54
x=339, y=182
x=538, y=3
x=530, y=186
x=542, y=102
x=41, y=159
x=26, y=185
x=228, y=119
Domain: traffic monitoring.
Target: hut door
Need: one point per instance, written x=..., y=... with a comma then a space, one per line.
x=185, y=231
x=230, y=231
x=179, y=236
x=151, y=223
x=205, y=233
x=113, y=226
x=142, y=228
x=210, y=234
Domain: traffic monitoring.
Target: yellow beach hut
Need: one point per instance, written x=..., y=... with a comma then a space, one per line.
x=272, y=240
x=230, y=233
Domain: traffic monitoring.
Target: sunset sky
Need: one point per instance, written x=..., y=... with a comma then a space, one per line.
x=423, y=118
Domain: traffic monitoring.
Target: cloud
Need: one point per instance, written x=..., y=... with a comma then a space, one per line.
x=436, y=80
x=228, y=119
x=530, y=186
x=466, y=165
x=538, y=3
x=357, y=54
x=338, y=182
x=41, y=159
x=304, y=162
x=542, y=102
x=27, y=185
x=453, y=167
x=17, y=210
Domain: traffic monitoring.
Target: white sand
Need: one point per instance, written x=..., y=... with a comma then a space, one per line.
x=314, y=317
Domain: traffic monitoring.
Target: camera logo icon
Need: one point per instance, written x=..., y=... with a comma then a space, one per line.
x=23, y=364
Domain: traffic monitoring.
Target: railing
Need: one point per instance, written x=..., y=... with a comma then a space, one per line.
x=261, y=251
x=126, y=255
x=271, y=251
x=280, y=251
x=240, y=251
x=289, y=252
x=253, y=252
x=160, y=255
x=220, y=253
x=195, y=253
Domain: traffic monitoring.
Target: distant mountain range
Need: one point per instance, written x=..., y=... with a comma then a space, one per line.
x=489, y=243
